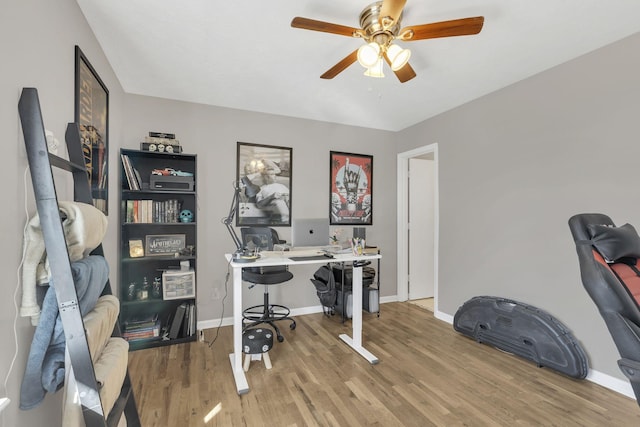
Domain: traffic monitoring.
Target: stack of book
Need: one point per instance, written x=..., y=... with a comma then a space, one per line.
x=145, y=328
x=149, y=211
x=184, y=321
x=133, y=177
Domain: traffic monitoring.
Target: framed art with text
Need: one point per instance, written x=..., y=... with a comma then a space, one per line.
x=263, y=174
x=351, y=189
x=92, y=116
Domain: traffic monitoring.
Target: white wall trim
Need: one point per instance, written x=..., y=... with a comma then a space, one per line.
x=612, y=383
x=402, y=227
x=619, y=386
x=227, y=321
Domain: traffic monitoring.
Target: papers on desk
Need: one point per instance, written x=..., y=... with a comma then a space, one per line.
x=333, y=250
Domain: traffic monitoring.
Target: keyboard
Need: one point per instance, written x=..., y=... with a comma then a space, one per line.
x=309, y=258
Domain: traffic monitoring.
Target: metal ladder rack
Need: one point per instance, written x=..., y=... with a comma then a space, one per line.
x=40, y=166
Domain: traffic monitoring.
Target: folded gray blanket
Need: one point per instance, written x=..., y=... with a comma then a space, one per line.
x=45, y=365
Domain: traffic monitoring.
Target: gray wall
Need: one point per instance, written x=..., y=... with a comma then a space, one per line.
x=213, y=132
x=37, y=39
x=516, y=164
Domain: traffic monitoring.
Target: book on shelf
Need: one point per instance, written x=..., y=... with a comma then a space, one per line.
x=152, y=211
x=131, y=174
x=176, y=323
x=142, y=321
x=144, y=331
x=186, y=321
x=137, y=178
x=192, y=320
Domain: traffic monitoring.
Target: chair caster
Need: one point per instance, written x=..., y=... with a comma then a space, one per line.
x=280, y=338
x=292, y=326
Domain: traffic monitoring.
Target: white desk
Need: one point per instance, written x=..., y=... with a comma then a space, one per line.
x=279, y=258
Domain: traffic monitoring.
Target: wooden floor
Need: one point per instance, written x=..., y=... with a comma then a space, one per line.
x=428, y=375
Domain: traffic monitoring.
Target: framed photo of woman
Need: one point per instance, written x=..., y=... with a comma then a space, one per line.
x=264, y=178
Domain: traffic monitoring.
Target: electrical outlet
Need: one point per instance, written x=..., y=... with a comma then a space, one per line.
x=216, y=293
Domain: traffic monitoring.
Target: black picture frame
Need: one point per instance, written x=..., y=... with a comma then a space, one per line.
x=92, y=115
x=350, y=195
x=263, y=173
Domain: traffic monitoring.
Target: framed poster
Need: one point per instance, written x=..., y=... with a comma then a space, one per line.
x=92, y=116
x=351, y=189
x=263, y=174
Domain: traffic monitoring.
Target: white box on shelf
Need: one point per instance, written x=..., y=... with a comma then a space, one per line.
x=178, y=284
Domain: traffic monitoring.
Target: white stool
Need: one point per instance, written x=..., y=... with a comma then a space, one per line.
x=256, y=344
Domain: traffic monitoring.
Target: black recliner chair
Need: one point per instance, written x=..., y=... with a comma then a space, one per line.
x=263, y=238
x=610, y=271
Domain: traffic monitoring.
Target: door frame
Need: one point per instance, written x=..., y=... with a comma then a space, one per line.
x=403, y=220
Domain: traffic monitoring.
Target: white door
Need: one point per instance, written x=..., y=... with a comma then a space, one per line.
x=421, y=228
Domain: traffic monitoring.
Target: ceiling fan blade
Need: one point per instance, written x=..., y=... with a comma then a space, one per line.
x=392, y=8
x=341, y=66
x=405, y=73
x=325, y=27
x=456, y=27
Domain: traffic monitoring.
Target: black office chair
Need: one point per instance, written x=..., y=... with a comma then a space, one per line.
x=609, y=259
x=263, y=238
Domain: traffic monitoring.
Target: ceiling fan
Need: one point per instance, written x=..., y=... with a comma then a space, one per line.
x=380, y=26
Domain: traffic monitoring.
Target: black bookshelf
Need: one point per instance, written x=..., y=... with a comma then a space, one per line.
x=150, y=219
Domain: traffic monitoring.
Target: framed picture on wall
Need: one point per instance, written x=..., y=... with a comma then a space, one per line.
x=264, y=176
x=350, y=189
x=92, y=116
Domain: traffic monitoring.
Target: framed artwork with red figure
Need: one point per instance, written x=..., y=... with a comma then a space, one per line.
x=351, y=189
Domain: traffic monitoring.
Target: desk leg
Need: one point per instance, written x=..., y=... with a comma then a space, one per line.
x=356, y=320
x=236, y=357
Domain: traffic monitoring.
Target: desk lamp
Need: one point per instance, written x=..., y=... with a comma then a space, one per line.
x=250, y=190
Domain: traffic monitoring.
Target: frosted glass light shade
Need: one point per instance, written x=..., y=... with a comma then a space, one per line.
x=368, y=54
x=398, y=56
x=375, y=70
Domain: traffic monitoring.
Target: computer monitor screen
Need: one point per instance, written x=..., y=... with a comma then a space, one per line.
x=260, y=238
x=310, y=232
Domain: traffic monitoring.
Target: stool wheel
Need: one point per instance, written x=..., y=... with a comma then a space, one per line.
x=280, y=338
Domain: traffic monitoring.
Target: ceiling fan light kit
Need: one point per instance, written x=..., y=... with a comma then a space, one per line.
x=398, y=56
x=369, y=54
x=375, y=70
x=380, y=26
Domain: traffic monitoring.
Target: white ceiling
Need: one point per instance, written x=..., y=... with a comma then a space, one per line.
x=245, y=55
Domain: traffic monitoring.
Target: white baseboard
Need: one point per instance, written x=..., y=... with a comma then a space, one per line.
x=607, y=381
x=612, y=383
x=227, y=321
